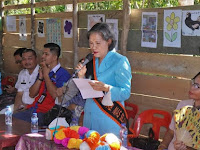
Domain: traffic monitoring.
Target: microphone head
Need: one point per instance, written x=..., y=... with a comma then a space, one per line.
x=89, y=56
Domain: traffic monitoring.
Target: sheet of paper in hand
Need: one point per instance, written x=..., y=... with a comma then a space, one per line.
x=86, y=90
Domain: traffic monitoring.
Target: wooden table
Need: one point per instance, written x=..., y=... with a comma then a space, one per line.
x=9, y=136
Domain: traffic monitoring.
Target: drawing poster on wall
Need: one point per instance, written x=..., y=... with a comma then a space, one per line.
x=11, y=23
x=40, y=28
x=149, y=29
x=191, y=23
x=114, y=26
x=68, y=32
x=54, y=31
x=172, y=28
x=95, y=18
x=22, y=28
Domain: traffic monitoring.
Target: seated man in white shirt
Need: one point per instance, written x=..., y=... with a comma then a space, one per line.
x=26, y=79
x=9, y=92
x=8, y=89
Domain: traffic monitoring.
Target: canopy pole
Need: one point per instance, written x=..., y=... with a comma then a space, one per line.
x=75, y=32
x=32, y=25
x=126, y=25
x=1, y=36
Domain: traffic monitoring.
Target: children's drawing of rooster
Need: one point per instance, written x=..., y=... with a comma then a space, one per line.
x=192, y=24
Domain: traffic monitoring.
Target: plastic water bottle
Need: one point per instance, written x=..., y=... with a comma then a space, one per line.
x=8, y=116
x=34, y=123
x=123, y=134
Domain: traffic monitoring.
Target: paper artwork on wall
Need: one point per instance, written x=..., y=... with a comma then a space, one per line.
x=40, y=28
x=68, y=32
x=11, y=23
x=54, y=31
x=172, y=28
x=114, y=27
x=149, y=29
x=95, y=18
x=191, y=23
x=22, y=28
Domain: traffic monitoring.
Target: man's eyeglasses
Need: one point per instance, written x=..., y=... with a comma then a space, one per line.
x=195, y=85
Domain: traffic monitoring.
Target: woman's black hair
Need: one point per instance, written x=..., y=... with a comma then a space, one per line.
x=196, y=76
x=106, y=33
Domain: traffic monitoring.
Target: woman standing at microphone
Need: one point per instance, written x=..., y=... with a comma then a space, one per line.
x=112, y=74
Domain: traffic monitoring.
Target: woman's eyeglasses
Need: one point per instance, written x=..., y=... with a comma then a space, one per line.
x=195, y=85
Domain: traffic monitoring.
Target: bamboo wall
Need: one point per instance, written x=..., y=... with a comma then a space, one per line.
x=9, y=46
x=160, y=80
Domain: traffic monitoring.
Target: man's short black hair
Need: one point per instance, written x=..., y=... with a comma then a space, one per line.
x=54, y=48
x=30, y=50
x=19, y=51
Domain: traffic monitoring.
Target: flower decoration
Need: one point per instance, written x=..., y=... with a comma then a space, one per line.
x=70, y=137
x=93, y=141
x=172, y=24
x=77, y=137
x=172, y=21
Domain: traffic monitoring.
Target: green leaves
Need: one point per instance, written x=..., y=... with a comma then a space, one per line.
x=167, y=36
x=174, y=36
x=171, y=39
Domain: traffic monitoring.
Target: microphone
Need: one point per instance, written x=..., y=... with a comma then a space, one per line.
x=88, y=58
x=73, y=90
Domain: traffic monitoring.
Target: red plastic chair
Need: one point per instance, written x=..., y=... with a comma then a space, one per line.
x=9, y=80
x=150, y=117
x=131, y=110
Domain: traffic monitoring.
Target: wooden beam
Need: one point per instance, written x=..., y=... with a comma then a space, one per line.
x=172, y=88
x=54, y=15
x=50, y=3
x=38, y=4
x=75, y=31
x=93, y=1
x=126, y=25
x=33, y=25
x=53, y=3
x=20, y=6
x=163, y=64
x=1, y=37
